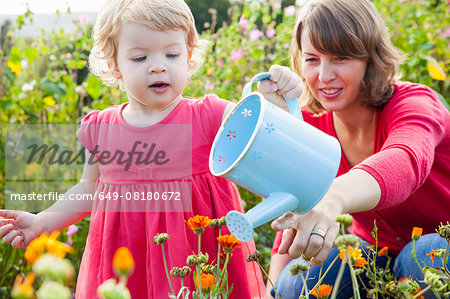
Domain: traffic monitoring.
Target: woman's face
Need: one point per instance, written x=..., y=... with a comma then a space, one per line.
x=334, y=81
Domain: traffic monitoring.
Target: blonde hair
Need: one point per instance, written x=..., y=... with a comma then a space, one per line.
x=157, y=15
x=350, y=28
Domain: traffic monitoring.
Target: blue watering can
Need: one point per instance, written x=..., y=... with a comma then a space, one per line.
x=275, y=155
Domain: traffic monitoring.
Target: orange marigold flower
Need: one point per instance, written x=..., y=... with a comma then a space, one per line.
x=206, y=280
x=228, y=242
x=23, y=288
x=223, y=256
x=355, y=255
x=198, y=223
x=123, y=261
x=432, y=255
x=323, y=292
x=44, y=242
x=416, y=233
x=383, y=251
x=418, y=291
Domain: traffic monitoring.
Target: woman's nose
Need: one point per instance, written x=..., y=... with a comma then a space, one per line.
x=326, y=72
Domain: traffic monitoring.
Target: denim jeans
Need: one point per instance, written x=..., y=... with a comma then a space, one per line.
x=289, y=286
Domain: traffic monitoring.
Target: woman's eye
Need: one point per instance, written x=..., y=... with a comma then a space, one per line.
x=139, y=59
x=342, y=58
x=310, y=59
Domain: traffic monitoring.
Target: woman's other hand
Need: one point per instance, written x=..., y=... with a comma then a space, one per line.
x=282, y=82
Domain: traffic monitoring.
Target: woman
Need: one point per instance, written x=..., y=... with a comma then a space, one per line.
x=395, y=139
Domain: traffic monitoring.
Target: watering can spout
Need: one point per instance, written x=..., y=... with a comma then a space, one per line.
x=276, y=204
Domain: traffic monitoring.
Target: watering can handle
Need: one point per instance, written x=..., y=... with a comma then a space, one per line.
x=293, y=105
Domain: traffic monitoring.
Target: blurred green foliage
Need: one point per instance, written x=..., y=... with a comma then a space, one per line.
x=45, y=79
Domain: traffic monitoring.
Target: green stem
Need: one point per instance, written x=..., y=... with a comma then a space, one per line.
x=270, y=281
x=339, y=277
x=414, y=254
x=218, y=250
x=324, y=274
x=222, y=273
x=197, y=266
x=182, y=292
x=356, y=294
x=167, y=271
x=446, y=257
x=421, y=292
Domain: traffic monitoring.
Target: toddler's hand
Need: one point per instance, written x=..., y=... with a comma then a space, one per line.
x=19, y=228
x=283, y=82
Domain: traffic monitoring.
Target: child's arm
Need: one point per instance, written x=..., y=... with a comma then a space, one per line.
x=23, y=227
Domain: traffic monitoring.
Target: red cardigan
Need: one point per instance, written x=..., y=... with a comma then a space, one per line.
x=411, y=163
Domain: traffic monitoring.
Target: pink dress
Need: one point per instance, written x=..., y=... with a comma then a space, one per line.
x=169, y=158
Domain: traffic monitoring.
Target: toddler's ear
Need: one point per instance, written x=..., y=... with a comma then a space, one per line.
x=116, y=73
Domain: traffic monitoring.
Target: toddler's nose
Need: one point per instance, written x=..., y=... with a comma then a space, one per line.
x=157, y=68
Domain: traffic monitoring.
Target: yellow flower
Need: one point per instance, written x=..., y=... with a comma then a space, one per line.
x=435, y=70
x=383, y=251
x=49, y=100
x=210, y=71
x=123, y=261
x=416, y=233
x=15, y=68
x=355, y=256
x=56, y=247
x=45, y=242
x=31, y=168
x=323, y=292
x=206, y=280
x=198, y=223
x=25, y=289
x=228, y=242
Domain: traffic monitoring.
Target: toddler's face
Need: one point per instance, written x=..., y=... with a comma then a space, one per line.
x=153, y=65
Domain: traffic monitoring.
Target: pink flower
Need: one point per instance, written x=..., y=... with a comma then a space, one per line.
x=446, y=33
x=224, y=24
x=220, y=62
x=243, y=22
x=277, y=5
x=289, y=11
x=237, y=54
x=210, y=86
x=255, y=34
x=84, y=20
x=72, y=230
x=270, y=32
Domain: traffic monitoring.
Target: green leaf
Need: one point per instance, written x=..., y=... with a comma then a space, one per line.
x=93, y=87
x=52, y=88
x=31, y=54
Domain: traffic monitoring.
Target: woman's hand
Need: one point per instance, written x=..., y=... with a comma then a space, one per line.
x=298, y=237
x=19, y=228
x=283, y=82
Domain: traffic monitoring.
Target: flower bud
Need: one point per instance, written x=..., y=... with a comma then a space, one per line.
x=160, y=238
x=192, y=260
x=344, y=219
x=222, y=221
x=346, y=240
x=444, y=231
x=53, y=289
x=111, y=290
x=297, y=267
x=214, y=223
x=185, y=271
x=203, y=258
x=54, y=268
x=254, y=257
